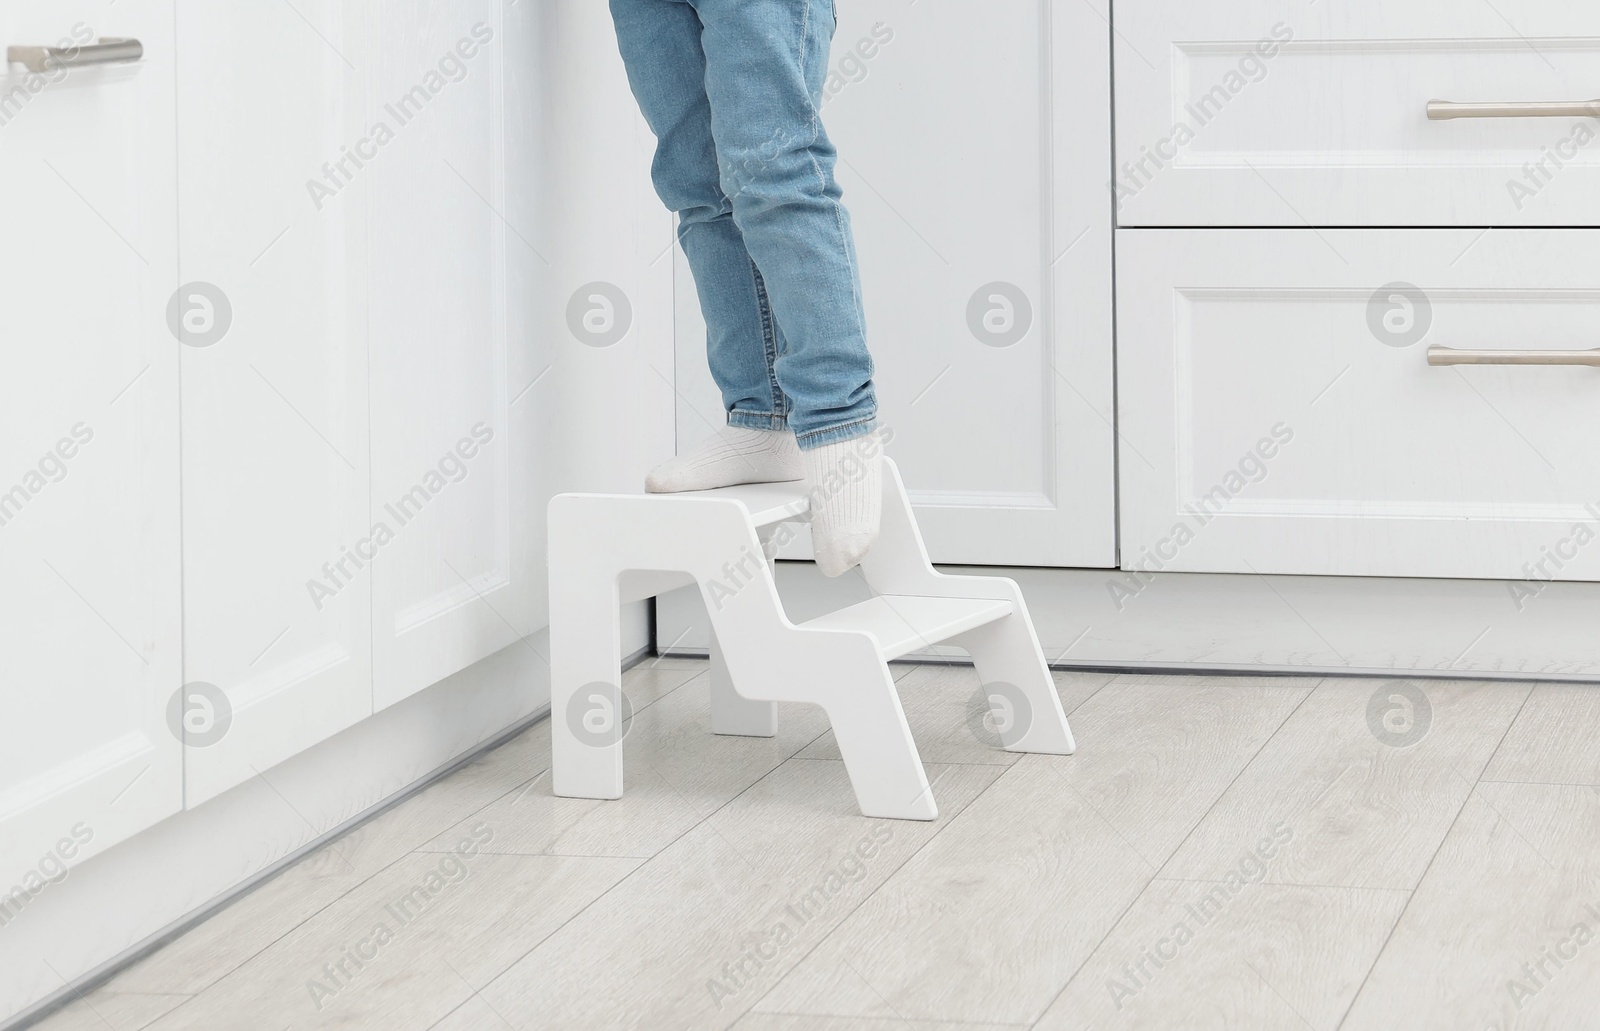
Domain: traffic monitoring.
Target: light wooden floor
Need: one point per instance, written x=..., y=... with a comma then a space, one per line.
x=1450, y=883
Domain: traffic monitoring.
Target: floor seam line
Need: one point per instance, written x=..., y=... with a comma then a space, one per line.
x=634, y=872
x=1241, y=772
x=1174, y=851
x=1412, y=897
x=852, y=911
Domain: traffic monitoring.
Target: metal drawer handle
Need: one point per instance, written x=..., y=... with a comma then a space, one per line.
x=1438, y=355
x=1441, y=109
x=108, y=49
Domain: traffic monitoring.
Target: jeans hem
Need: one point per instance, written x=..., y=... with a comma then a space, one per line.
x=757, y=420
x=812, y=439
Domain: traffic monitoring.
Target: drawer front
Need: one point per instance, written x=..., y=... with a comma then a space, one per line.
x=1271, y=112
x=1279, y=412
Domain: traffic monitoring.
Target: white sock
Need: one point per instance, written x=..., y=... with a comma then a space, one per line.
x=734, y=455
x=845, y=481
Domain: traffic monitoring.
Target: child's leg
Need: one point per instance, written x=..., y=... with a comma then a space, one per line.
x=660, y=41
x=766, y=63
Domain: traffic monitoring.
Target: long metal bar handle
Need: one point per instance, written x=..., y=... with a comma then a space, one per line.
x=43, y=59
x=1441, y=109
x=1440, y=355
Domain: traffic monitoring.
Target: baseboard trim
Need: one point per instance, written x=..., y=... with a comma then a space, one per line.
x=1178, y=670
x=1237, y=624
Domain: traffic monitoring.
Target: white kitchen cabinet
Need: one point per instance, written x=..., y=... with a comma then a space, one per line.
x=1279, y=112
x=1280, y=414
x=89, y=548
x=973, y=151
x=460, y=578
x=276, y=461
x=337, y=255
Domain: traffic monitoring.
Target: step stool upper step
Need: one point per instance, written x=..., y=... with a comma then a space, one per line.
x=904, y=623
x=768, y=502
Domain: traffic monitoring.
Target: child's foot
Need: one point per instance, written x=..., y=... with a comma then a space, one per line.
x=734, y=455
x=845, y=481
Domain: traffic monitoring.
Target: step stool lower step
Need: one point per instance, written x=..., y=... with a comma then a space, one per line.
x=904, y=623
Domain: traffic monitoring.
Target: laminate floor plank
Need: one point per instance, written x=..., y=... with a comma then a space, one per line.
x=230, y=937
x=473, y=1015
x=1362, y=811
x=991, y=919
x=106, y=1010
x=227, y=939
x=1365, y=854
x=699, y=932
x=406, y=947
x=1230, y=956
x=1554, y=739
x=939, y=702
x=799, y=1022
x=1504, y=930
x=675, y=774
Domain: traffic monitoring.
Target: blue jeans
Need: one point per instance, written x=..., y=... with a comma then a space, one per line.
x=731, y=89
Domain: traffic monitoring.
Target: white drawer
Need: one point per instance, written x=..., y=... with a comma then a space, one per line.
x=1278, y=412
x=1279, y=112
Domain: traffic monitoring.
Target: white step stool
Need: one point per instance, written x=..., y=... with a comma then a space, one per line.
x=609, y=549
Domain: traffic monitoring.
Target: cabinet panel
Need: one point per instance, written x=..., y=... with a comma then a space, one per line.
x=90, y=614
x=1272, y=112
x=983, y=228
x=1280, y=413
x=456, y=575
x=275, y=453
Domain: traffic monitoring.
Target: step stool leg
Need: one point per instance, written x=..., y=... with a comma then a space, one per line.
x=732, y=713
x=1012, y=667
x=879, y=753
x=586, y=704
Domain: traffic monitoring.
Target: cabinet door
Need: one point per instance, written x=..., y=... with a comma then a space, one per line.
x=977, y=188
x=275, y=466
x=1284, y=113
x=456, y=575
x=89, y=617
x=1284, y=410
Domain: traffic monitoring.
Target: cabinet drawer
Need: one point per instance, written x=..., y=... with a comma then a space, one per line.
x=1270, y=112
x=1279, y=412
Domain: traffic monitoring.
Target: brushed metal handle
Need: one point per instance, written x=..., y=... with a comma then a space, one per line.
x=108, y=49
x=1440, y=355
x=1442, y=109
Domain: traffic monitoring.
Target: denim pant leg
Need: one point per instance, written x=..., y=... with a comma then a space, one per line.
x=766, y=63
x=660, y=45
